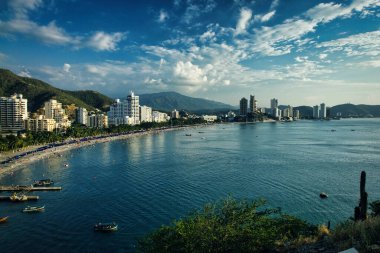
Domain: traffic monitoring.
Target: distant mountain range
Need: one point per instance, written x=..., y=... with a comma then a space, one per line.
x=344, y=110
x=37, y=92
x=167, y=101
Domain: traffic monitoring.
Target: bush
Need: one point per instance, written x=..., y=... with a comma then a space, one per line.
x=375, y=208
x=229, y=226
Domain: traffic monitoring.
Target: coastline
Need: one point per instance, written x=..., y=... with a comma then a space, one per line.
x=22, y=162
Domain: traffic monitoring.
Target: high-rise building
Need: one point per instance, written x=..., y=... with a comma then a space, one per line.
x=175, y=114
x=290, y=108
x=145, y=114
x=273, y=103
x=13, y=113
x=243, y=107
x=252, y=104
x=296, y=114
x=117, y=113
x=133, y=108
x=53, y=110
x=81, y=115
x=316, y=111
x=322, y=111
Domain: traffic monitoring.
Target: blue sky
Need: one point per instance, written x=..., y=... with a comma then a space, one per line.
x=301, y=52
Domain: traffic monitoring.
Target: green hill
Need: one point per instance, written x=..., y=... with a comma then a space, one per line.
x=37, y=92
x=168, y=101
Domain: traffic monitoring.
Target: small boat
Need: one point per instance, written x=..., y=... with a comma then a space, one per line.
x=66, y=165
x=33, y=209
x=188, y=134
x=16, y=197
x=43, y=182
x=106, y=227
x=3, y=219
x=323, y=195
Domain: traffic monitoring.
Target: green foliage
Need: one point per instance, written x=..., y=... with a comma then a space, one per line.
x=228, y=226
x=37, y=92
x=360, y=234
x=375, y=208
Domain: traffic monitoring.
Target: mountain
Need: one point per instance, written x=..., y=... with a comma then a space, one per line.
x=37, y=92
x=350, y=110
x=168, y=101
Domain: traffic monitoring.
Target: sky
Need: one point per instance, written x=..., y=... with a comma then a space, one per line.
x=300, y=52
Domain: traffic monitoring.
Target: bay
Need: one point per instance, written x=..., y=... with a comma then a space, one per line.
x=146, y=181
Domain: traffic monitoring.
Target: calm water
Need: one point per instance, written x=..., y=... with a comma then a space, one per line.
x=144, y=182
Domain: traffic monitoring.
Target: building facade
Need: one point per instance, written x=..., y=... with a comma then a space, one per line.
x=53, y=110
x=145, y=114
x=81, y=115
x=159, y=117
x=13, y=113
x=322, y=111
x=243, y=107
x=133, y=108
x=99, y=120
x=316, y=112
x=40, y=124
x=252, y=104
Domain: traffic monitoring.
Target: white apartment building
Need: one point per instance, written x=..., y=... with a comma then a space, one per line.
x=125, y=112
x=40, y=124
x=175, y=114
x=81, y=115
x=97, y=120
x=13, y=113
x=145, y=114
x=133, y=108
x=53, y=110
x=209, y=118
x=159, y=117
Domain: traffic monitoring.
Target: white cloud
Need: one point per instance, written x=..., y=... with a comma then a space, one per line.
x=371, y=64
x=24, y=73
x=279, y=39
x=22, y=7
x=355, y=45
x=189, y=73
x=323, y=56
x=242, y=24
x=105, y=69
x=274, y=4
x=209, y=35
x=66, y=67
x=102, y=41
x=163, y=16
x=50, y=34
x=268, y=16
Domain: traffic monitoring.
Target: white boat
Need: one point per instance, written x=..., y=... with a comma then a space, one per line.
x=16, y=197
x=33, y=209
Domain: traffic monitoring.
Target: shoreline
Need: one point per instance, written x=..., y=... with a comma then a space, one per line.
x=36, y=154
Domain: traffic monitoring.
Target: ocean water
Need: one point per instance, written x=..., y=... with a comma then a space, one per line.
x=144, y=182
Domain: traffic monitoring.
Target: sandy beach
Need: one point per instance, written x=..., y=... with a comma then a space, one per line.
x=22, y=162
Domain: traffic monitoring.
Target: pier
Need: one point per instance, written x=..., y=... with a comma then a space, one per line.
x=7, y=198
x=16, y=188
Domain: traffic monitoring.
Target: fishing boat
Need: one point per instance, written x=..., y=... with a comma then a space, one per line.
x=323, y=195
x=17, y=198
x=43, y=182
x=33, y=209
x=106, y=227
x=3, y=219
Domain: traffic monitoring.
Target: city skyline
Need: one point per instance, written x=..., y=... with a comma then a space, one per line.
x=307, y=52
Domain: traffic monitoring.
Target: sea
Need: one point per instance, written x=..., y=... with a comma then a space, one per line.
x=147, y=181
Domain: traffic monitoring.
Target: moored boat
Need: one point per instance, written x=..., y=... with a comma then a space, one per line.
x=33, y=209
x=43, y=182
x=17, y=198
x=3, y=219
x=106, y=227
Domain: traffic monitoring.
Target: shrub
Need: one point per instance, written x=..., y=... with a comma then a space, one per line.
x=229, y=225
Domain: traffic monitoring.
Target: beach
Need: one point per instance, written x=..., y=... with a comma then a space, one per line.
x=37, y=153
